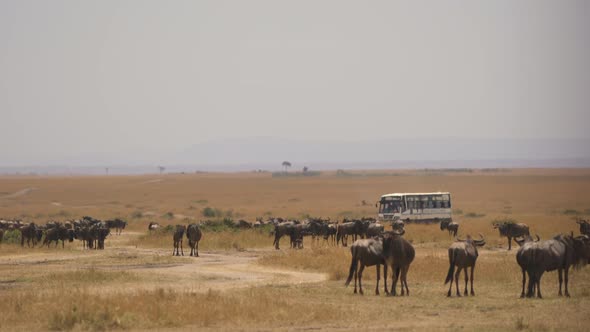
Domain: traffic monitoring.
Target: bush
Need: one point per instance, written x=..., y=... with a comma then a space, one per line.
x=136, y=214
x=168, y=215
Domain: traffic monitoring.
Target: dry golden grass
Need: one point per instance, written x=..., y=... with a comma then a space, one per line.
x=61, y=288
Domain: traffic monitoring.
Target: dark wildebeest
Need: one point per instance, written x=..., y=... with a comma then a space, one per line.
x=29, y=233
x=1, y=234
x=194, y=234
x=281, y=229
x=57, y=233
x=398, y=254
x=584, y=227
x=354, y=228
x=367, y=252
x=117, y=224
x=178, y=234
x=558, y=253
x=512, y=230
x=451, y=226
x=375, y=229
x=463, y=254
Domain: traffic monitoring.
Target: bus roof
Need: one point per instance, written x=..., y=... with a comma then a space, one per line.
x=415, y=194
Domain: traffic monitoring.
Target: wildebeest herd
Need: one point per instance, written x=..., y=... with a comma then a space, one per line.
x=372, y=246
x=92, y=232
x=388, y=248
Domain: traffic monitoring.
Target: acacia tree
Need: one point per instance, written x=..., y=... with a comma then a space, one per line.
x=286, y=165
x=161, y=168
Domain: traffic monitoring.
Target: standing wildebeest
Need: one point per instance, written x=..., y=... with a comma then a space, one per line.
x=28, y=232
x=558, y=253
x=354, y=228
x=194, y=234
x=367, y=252
x=281, y=229
x=57, y=233
x=117, y=224
x=375, y=229
x=512, y=230
x=584, y=227
x=178, y=234
x=451, y=226
x=399, y=254
x=463, y=254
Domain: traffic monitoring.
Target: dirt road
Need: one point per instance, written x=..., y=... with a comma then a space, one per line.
x=150, y=269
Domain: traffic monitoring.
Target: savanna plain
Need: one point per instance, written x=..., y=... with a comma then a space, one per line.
x=240, y=282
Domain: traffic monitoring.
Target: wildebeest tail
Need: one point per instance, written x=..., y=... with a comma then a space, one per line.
x=452, y=267
x=353, y=265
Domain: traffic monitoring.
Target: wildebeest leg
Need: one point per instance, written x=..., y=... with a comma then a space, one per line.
x=567, y=293
x=197, y=249
x=396, y=272
x=355, y=277
x=466, y=281
x=457, y=275
x=531, y=287
x=385, y=278
x=538, y=281
x=182, y=251
x=509, y=243
x=450, y=288
x=361, y=278
x=472, y=268
x=378, y=268
x=405, y=279
x=560, y=274
x=523, y=283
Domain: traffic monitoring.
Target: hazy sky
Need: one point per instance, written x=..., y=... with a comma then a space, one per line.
x=130, y=79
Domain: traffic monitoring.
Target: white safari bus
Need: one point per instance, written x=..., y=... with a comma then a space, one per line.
x=415, y=207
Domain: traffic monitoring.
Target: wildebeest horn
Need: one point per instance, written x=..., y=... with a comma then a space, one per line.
x=459, y=239
x=538, y=238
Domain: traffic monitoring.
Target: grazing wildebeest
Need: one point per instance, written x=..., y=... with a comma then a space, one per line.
x=367, y=252
x=178, y=234
x=451, y=226
x=584, y=227
x=194, y=234
x=463, y=254
x=559, y=253
x=512, y=230
x=281, y=229
x=1, y=234
x=398, y=254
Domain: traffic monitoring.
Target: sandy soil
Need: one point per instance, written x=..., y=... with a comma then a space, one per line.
x=157, y=268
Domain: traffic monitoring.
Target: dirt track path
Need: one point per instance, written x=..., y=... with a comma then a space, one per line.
x=151, y=269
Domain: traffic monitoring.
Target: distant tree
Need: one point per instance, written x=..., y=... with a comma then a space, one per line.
x=305, y=169
x=286, y=165
x=106, y=169
x=162, y=169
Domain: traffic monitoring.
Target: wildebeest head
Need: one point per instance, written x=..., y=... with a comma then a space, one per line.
x=584, y=227
x=444, y=224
